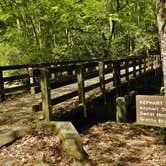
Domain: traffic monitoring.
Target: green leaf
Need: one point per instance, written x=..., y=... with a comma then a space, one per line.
x=114, y=17
x=5, y=16
x=55, y=8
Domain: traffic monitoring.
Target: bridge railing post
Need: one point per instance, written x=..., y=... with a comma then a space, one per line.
x=116, y=77
x=81, y=87
x=159, y=60
x=32, y=80
x=134, y=68
x=2, y=91
x=148, y=62
x=28, y=84
x=140, y=66
x=127, y=70
x=151, y=64
x=156, y=62
x=46, y=94
x=102, y=79
x=144, y=60
x=53, y=75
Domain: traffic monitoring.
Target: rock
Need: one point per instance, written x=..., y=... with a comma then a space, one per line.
x=125, y=106
x=162, y=91
x=121, y=112
x=41, y=117
x=71, y=141
x=9, y=136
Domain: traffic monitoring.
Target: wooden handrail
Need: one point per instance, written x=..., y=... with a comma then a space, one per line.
x=64, y=73
x=119, y=67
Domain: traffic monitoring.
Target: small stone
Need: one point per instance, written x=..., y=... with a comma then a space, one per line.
x=41, y=117
x=24, y=160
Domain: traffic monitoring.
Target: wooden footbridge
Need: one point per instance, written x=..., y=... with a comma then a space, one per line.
x=52, y=86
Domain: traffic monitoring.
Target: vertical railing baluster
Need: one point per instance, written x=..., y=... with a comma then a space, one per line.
x=140, y=66
x=144, y=59
x=102, y=79
x=116, y=77
x=32, y=80
x=148, y=62
x=134, y=68
x=127, y=70
x=53, y=76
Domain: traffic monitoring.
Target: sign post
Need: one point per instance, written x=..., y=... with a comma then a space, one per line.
x=151, y=110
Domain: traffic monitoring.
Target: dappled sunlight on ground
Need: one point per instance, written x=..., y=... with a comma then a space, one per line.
x=107, y=144
x=123, y=144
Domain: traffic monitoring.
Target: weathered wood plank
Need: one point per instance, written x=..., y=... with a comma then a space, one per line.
x=46, y=95
x=81, y=89
x=65, y=97
x=116, y=77
x=32, y=80
x=16, y=88
x=102, y=80
x=16, y=77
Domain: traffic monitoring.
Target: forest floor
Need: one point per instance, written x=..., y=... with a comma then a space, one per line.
x=107, y=144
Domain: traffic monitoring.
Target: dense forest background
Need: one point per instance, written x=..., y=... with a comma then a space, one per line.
x=35, y=31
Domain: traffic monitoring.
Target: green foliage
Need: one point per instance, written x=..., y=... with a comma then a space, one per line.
x=48, y=30
x=9, y=53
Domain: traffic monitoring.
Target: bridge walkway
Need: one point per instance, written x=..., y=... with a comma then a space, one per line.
x=18, y=111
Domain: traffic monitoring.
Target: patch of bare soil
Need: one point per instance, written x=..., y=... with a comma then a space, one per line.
x=107, y=144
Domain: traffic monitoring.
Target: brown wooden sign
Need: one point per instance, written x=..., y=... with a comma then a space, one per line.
x=151, y=110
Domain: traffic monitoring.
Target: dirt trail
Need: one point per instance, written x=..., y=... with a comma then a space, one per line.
x=115, y=144
x=107, y=144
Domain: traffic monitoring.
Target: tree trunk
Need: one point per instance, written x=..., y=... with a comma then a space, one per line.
x=161, y=18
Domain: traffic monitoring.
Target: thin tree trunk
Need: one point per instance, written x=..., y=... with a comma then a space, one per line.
x=161, y=17
x=69, y=37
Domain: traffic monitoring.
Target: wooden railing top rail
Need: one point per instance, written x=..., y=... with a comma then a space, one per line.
x=29, y=79
x=71, y=67
x=13, y=67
